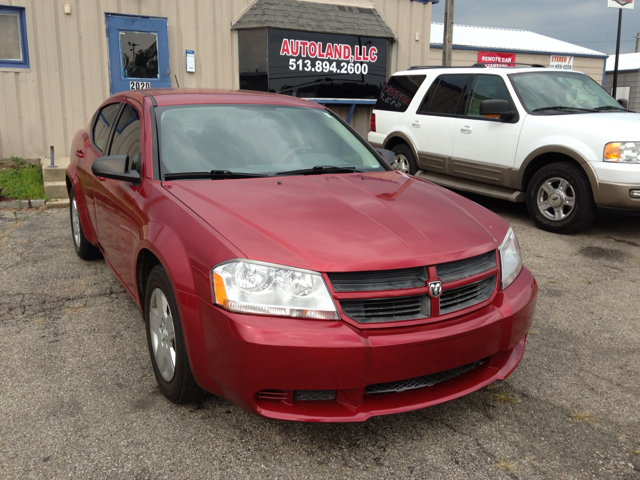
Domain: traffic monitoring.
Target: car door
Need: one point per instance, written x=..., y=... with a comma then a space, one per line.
x=116, y=200
x=484, y=148
x=435, y=120
x=95, y=146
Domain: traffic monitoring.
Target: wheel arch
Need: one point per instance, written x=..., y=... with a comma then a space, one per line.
x=551, y=154
x=396, y=138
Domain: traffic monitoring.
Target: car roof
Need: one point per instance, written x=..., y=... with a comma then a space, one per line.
x=198, y=96
x=471, y=69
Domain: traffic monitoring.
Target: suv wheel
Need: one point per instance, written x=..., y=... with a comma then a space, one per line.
x=405, y=161
x=559, y=198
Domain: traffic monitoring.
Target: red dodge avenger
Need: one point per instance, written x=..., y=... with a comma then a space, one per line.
x=281, y=263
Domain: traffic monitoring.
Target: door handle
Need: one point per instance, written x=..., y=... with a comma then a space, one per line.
x=466, y=129
x=415, y=123
x=79, y=154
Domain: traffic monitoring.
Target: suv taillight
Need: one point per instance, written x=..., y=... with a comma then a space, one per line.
x=372, y=123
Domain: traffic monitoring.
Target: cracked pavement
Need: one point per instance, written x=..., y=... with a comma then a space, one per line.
x=78, y=397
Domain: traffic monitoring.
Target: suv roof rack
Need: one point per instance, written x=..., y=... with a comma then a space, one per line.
x=421, y=67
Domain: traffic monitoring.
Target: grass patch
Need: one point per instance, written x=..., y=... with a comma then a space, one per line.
x=506, y=465
x=579, y=416
x=504, y=398
x=22, y=183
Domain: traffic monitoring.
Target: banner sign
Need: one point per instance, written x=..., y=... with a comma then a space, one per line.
x=620, y=4
x=493, y=59
x=561, y=62
x=323, y=65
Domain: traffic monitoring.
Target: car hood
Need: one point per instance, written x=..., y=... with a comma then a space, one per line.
x=610, y=126
x=343, y=222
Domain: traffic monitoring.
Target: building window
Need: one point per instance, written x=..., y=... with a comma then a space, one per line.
x=13, y=40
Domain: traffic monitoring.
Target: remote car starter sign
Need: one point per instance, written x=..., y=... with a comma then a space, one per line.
x=321, y=65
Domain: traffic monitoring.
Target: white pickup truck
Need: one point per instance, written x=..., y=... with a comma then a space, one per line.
x=552, y=138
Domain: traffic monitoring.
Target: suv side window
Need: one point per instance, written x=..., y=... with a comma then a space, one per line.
x=102, y=125
x=445, y=95
x=398, y=93
x=126, y=138
x=486, y=87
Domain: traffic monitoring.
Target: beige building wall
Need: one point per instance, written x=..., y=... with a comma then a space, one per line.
x=69, y=77
x=594, y=67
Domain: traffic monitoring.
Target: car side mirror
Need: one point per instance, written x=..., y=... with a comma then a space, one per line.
x=624, y=103
x=496, y=108
x=115, y=167
x=388, y=155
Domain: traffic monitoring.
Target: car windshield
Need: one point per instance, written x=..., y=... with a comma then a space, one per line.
x=238, y=141
x=561, y=92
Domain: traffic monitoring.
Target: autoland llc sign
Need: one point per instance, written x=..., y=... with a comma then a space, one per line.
x=324, y=65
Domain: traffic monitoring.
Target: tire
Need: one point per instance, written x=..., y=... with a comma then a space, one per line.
x=166, y=340
x=84, y=249
x=405, y=161
x=559, y=198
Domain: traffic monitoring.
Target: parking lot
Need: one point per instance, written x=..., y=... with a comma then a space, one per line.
x=78, y=397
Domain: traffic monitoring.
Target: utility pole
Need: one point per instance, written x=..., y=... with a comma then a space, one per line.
x=447, y=38
x=637, y=38
x=615, y=71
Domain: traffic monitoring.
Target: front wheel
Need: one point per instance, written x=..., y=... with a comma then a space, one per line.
x=559, y=198
x=166, y=341
x=405, y=161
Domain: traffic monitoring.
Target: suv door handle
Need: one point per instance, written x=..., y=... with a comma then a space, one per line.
x=466, y=129
x=415, y=123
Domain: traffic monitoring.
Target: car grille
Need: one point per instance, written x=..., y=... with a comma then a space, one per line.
x=393, y=309
x=420, y=382
x=379, y=280
x=467, y=295
x=449, y=272
x=418, y=305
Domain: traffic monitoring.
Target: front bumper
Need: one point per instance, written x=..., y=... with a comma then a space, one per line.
x=615, y=181
x=240, y=356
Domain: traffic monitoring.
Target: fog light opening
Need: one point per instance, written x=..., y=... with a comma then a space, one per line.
x=634, y=193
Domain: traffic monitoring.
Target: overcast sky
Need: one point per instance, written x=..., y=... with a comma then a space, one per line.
x=588, y=23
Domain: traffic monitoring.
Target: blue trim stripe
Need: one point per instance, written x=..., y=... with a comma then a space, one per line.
x=532, y=52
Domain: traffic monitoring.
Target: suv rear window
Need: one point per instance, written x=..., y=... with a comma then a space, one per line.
x=398, y=92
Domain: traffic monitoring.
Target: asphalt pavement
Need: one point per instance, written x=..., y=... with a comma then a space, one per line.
x=78, y=398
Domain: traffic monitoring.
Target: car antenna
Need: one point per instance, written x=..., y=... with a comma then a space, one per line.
x=176, y=77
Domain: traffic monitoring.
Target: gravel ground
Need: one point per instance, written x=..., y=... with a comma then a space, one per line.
x=78, y=398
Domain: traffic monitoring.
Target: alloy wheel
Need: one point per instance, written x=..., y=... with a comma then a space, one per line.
x=163, y=336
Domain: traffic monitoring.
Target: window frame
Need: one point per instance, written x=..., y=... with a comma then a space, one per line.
x=112, y=132
x=24, y=44
x=94, y=120
x=470, y=92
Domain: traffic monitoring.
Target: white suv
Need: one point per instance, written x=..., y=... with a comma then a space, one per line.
x=552, y=138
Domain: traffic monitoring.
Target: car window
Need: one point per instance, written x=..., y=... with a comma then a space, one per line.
x=397, y=94
x=486, y=87
x=102, y=125
x=444, y=95
x=126, y=138
x=260, y=139
x=557, y=92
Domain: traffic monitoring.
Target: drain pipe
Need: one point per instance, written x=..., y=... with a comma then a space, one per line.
x=51, y=163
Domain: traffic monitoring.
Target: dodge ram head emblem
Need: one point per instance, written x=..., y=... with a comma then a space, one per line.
x=435, y=289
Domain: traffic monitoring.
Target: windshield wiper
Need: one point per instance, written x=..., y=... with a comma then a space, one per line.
x=213, y=175
x=562, y=108
x=319, y=170
x=610, y=107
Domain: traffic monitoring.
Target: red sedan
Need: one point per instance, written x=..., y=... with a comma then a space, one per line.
x=280, y=262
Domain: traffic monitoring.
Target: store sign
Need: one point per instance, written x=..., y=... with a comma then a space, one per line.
x=323, y=65
x=493, y=59
x=561, y=62
x=627, y=4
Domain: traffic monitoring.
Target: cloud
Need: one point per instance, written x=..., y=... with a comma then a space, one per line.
x=588, y=23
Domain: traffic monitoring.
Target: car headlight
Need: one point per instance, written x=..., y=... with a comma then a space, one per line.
x=622, y=152
x=246, y=286
x=510, y=259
